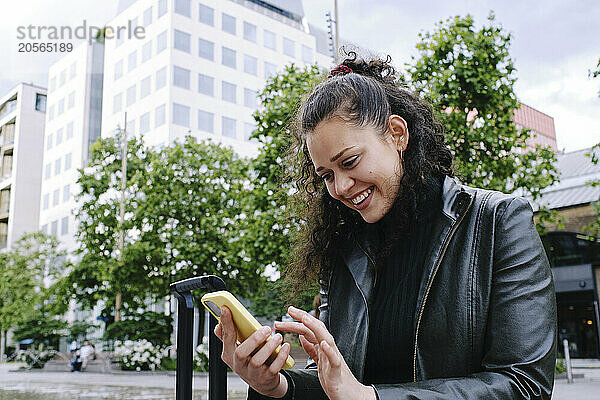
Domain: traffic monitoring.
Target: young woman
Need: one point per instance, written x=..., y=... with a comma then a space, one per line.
x=429, y=289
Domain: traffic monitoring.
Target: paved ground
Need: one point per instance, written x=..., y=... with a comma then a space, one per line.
x=37, y=385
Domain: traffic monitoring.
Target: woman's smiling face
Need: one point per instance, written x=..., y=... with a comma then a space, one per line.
x=360, y=167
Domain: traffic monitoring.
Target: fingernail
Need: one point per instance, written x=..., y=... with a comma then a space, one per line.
x=278, y=336
x=266, y=330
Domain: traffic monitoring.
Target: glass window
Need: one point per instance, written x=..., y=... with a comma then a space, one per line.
x=183, y=7
x=289, y=47
x=46, y=201
x=130, y=95
x=117, y=102
x=145, y=87
x=206, y=85
x=55, y=197
x=52, y=84
x=307, y=54
x=132, y=60
x=48, y=171
x=71, y=100
x=206, y=15
x=145, y=122
x=119, y=69
x=161, y=78
x=63, y=77
x=161, y=42
x=181, y=77
x=206, y=49
x=64, y=225
x=49, y=141
x=73, y=70
x=54, y=228
x=270, y=40
x=147, y=51
x=61, y=106
x=130, y=127
x=249, y=31
x=250, y=64
x=162, y=7
x=228, y=57
x=181, y=115
x=249, y=98
x=182, y=40
x=228, y=91
x=70, y=130
x=270, y=70
x=228, y=23
x=59, y=136
x=51, y=113
x=206, y=121
x=66, y=192
x=160, y=115
x=57, y=165
x=45, y=228
x=40, y=102
x=248, y=130
x=68, y=161
x=148, y=16
x=228, y=127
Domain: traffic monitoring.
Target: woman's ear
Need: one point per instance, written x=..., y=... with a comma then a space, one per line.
x=398, y=129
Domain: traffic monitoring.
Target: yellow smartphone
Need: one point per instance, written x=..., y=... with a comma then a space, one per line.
x=245, y=323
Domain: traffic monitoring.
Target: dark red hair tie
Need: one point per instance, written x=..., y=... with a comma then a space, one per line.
x=340, y=70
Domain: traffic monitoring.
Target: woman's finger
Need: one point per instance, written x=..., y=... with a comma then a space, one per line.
x=219, y=331
x=281, y=358
x=332, y=355
x=298, y=328
x=318, y=328
x=249, y=346
x=309, y=348
x=259, y=358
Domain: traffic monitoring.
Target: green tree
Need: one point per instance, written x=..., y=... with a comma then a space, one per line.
x=272, y=226
x=99, y=275
x=192, y=213
x=29, y=301
x=468, y=74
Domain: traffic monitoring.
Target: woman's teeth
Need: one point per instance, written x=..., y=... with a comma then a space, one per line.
x=359, y=199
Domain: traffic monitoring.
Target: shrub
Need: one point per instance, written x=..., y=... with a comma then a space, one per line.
x=35, y=358
x=201, y=356
x=139, y=355
x=560, y=367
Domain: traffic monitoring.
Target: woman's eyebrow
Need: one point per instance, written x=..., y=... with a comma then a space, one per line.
x=338, y=155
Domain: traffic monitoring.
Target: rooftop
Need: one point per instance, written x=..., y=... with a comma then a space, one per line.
x=576, y=171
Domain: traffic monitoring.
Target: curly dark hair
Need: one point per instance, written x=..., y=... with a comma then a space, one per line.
x=367, y=94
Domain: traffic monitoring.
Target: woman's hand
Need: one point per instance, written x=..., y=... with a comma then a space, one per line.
x=248, y=360
x=337, y=380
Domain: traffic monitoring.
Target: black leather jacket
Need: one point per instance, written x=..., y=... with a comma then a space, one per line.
x=486, y=311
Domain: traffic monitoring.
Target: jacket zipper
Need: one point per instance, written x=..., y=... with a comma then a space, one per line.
x=437, y=265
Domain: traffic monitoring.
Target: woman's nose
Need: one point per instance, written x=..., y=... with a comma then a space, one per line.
x=343, y=183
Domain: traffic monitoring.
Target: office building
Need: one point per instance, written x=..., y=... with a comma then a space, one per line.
x=199, y=66
x=73, y=123
x=22, y=115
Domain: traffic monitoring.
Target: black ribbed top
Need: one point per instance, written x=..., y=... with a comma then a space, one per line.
x=392, y=306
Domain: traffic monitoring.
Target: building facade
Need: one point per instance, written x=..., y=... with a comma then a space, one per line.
x=22, y=117
x=200, y=65
x=73, y=123
x=541, y=126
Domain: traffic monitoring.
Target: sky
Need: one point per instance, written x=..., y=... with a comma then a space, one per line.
x=554, y=45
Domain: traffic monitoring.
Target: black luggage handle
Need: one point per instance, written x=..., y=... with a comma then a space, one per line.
x=217, y=370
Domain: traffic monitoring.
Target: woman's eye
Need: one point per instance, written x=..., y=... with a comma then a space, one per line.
x=349, y=161
x=326, y=177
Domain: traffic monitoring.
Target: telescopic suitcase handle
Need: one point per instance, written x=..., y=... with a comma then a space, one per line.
x=217, y=370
